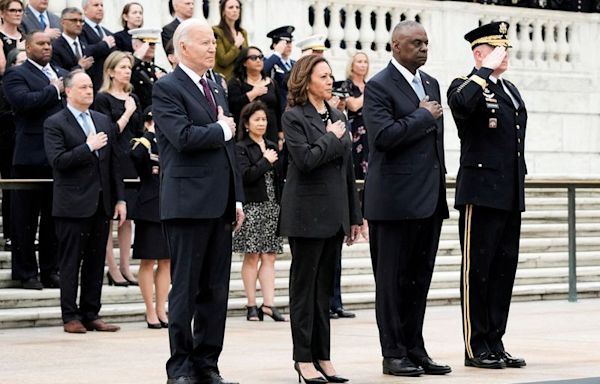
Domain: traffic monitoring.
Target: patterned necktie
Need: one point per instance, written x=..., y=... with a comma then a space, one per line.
x=418, y=87
x=208, y=94
x=77, y=52
x=88, y=128
x=42, y=21
x=48, y=72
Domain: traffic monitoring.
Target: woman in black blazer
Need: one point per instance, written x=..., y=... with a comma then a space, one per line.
x=257, y=239
x=150, y=244
x=318, y=207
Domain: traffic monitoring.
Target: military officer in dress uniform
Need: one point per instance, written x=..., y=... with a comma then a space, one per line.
x=490, y=116
x=279, y=64
x=144, y=72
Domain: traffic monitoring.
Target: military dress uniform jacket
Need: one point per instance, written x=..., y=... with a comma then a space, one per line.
x=143, y=77
x=492, y=142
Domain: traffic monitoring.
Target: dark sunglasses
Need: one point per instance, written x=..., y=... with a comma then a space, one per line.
x=78, y=21
x=255, y=57
x=14, y=10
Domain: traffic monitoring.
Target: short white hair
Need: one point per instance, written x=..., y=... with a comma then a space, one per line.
x=182, y=33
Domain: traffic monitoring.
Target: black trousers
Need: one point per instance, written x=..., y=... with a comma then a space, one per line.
x=403, y=256
x=82, y=245
x=7, y=147
x=489, y=240
x=311, y=285
x=335, y=302
x=27, y=207
x=200, y=251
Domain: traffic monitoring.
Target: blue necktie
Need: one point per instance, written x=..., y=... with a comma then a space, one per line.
x=88, y=128
x=418, y=87
x=42, y=21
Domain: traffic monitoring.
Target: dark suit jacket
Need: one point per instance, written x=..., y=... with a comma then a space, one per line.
x=319, y=197
x=147, y=205
x=253, y=166
x=31, y=23
x=492, y=162
x=406, y=176
x=63, y=56
x=98, y=49
x=199, y=170
x=33, y=99
x=168, y=30
x=80, y=175
x=123, y=40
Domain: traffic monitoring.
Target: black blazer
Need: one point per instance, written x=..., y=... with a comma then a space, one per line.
x=31, y=23
x=123, y=40
x=319, y=197
x=492, y=159
x=167, y=32
x=199, y=170
x=33, y=99
x=80, y=175
x=97, y=48
x=253, y=167
x=145, y=159
x=406, y=176
x=63, y=56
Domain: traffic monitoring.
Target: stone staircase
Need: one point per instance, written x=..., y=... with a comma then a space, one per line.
x=542, y=273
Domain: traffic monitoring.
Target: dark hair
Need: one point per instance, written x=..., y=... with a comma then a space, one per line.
x=125, y=11
x=68, y=79
x=11, y=56
x=246, y=113
x=223, y=24
x=239, y=70
x=29, y=37
x=68, y=10
x=4, y=4
x=169, y=47
x=300, y=78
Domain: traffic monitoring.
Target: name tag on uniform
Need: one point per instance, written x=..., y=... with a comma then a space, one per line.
x=493, y=122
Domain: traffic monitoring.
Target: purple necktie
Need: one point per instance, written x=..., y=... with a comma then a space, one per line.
x=208, y=94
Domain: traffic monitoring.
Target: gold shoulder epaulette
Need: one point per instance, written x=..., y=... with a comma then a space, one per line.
x=142, y=140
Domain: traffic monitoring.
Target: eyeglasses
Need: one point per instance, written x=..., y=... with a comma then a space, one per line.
x=14, y=10
x=255, y=57
x=78, y=21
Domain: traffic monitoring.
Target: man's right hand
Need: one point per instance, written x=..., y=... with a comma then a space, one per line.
x=110, y=41
x=58, y=83
x=53, y=33
x=338, y=128
x=433, y=107
x=86, y=62
x=494, y=58
x=227, y=120
x=97, y=140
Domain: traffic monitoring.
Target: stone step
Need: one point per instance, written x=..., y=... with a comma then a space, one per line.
x=50, y=316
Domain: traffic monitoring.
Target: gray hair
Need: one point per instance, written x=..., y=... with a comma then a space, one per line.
x=182, y=33
x=406, y=24
x=68, y=10
x=68, y=79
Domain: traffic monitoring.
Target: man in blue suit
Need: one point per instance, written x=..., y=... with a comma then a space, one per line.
x=34, y=91
x=38, y=18
x=405, y=198
x=200, y=198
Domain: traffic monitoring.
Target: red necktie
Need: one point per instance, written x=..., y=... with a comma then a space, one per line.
x=208, y=94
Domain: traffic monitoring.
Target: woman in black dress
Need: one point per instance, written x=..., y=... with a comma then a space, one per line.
x=358, y=69
x=115, y=99
x=319, y=206
x=132, y=17
x=257, y=239
x=150, y=245
x=249, y=84
x=11, y=14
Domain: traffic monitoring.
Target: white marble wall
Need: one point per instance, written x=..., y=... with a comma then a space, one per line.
x=558, y=75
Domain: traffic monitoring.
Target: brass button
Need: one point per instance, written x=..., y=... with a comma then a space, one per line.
x=479, y=165
x=519, y=154
x=518, y=140
x=518, y=126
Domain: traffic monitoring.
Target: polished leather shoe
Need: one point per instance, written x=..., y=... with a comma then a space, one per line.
x=182, y=380
x=400, y=367
x=431, y=367
x=74, y=326
x=100, y=326
x=511, y=362
x=32, y=283
x=212, y=377
x=51, y=281
x=485, y=360
x=342, y=313
x=333, y=315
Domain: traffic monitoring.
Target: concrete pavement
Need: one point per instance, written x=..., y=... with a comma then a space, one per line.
x=559, y=340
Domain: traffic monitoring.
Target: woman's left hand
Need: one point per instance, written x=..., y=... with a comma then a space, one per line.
x=354, y=232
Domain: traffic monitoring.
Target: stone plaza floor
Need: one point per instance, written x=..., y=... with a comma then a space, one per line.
x=559, y=340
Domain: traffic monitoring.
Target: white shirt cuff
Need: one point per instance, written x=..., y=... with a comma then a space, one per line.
x=226, y=130
x=238, y=204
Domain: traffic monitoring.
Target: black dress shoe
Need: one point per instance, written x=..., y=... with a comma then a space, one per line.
x=485, y=360
x=330, y=379
x=51, y=281
x=183, y=380
x=333, y=315
x=32, y=283
x=212, y=377
x=342, y=313
x=511, y=362
x=431, y=367
x=400, y=367
x=7, y=244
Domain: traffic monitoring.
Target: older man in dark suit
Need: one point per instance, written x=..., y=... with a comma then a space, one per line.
x=69, y=51
x=100, y=41
x=87, y=183
x=34, y=91
x=38, y=18
x=183, y=10
x=405, y=198
x=200, y=185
